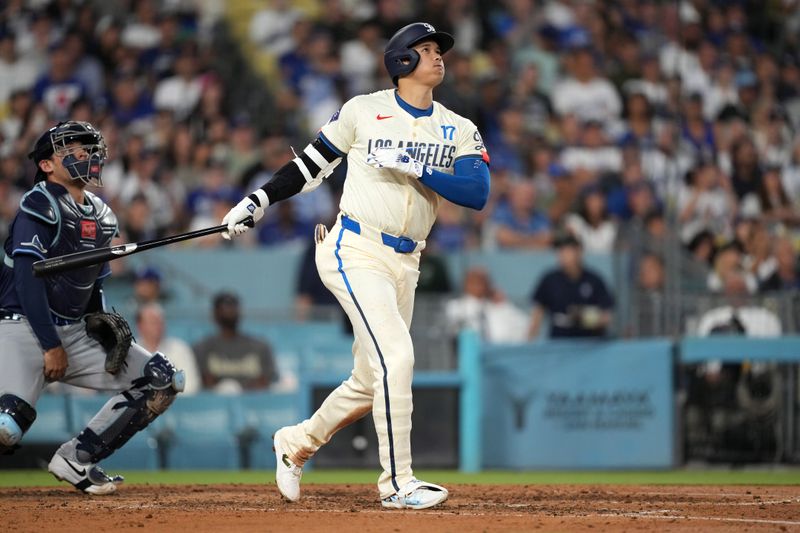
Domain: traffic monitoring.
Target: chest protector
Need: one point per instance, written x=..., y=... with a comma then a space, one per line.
x=80, y=227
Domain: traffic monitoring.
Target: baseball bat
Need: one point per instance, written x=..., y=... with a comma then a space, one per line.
x=53, y=265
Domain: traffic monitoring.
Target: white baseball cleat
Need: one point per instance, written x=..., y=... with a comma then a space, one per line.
x=287, y=474
x=416, y=494
x=90, y=478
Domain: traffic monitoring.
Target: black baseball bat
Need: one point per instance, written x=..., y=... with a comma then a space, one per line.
x=53, y=265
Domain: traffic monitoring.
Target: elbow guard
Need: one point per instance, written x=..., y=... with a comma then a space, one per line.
x=304, y=173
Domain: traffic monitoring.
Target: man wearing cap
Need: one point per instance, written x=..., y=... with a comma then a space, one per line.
x=575, y=298
x=42, y=328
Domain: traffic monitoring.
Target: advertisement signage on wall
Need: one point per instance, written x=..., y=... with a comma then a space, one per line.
x=578, y=405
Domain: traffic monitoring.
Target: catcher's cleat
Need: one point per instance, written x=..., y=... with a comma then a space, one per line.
x=88, y=478
x=416, y=494
x=287, y=474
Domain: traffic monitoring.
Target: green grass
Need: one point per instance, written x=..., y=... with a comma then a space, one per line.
x=777, y=476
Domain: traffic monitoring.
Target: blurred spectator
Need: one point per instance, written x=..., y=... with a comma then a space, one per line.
x=138, y=223
x=774, y=204
x=230, y=361
x=151, y=331
x=284, y=227
x=215, y=187
x=575, y=299
x=647, y=310
x=312, y=297
x=129, y=102
x=746, y=172
x=16, y=73
x=181, y=92
x=696, y=264
x=706, y=200
x=451, y=232
x=738, y=315
x=459, y=92
x=147, y=286
x=361, y=59
x=519, y=223
x=271, y=27
x=142, y=31
x=486, y=310
x=591, y=224
x=59, y=88
x=594, y=158
x=786, y=276
x=729, y=258
x=142, y=178
x=586, y=94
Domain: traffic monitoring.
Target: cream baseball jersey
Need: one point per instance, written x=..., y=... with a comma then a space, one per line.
x=381, y=198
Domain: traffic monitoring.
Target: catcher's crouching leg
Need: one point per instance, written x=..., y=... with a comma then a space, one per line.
x=130, y=411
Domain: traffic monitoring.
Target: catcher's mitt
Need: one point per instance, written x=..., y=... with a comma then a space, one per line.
x=113, y=334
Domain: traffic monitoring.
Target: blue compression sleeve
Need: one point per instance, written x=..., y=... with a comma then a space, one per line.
x=468, y=186
x=33, y=298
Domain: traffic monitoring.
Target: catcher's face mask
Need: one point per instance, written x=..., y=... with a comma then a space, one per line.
x=81, y=148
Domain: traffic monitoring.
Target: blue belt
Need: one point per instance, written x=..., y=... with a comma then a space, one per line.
x=7, y=314
x=401, y=245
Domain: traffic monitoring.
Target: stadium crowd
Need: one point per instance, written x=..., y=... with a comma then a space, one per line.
x=630, y=124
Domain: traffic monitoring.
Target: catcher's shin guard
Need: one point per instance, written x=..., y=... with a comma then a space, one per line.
x=16, y=417
x=131, y=411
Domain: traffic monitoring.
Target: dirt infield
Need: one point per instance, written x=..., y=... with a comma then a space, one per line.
x=345, y=508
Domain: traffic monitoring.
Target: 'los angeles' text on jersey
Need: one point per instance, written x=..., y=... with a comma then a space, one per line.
x=438, y=155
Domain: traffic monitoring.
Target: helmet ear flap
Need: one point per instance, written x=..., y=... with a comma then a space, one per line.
x=402, y=63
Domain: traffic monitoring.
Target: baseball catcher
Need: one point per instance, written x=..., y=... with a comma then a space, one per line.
x=56, y=328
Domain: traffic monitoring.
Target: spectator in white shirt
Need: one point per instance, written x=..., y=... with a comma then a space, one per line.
x=487, y=311
x=586, y=94
x=180, y=93
x=591, y=225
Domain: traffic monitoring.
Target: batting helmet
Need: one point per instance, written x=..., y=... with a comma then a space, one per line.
x=59, y=137
x=400, y=57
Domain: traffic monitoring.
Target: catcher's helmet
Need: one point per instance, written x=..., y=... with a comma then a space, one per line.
x=400, y=57
x=58, y=140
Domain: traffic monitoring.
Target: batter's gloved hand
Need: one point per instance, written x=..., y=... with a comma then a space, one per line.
x=396, y=159
x=251, y=207
x=113, y=334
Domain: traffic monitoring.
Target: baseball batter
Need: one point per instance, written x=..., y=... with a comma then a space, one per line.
x=42, y=331
x=405, y=153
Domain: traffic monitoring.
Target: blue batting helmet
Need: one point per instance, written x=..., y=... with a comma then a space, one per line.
x=400, y=57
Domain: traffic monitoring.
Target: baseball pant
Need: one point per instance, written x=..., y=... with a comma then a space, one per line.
x=22, y=362
x=375, y=286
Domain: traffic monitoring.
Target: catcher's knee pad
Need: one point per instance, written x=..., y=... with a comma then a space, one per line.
x=150, y=396
x=160, y=374
x=16, y=417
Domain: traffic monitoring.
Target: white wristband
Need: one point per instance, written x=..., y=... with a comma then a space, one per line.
x=262, y=198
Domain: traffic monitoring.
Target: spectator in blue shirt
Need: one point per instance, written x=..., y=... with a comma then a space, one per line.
x=576, y=299
x=519, y=223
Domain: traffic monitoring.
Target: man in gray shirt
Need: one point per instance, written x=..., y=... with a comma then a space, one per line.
x=230, y=360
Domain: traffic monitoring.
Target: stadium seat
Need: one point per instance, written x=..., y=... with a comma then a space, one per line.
x=198, y=432
x=52, y=421
x=139, y=453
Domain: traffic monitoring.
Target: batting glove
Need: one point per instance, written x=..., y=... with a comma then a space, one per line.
x=252, y=206
x=396, y=159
